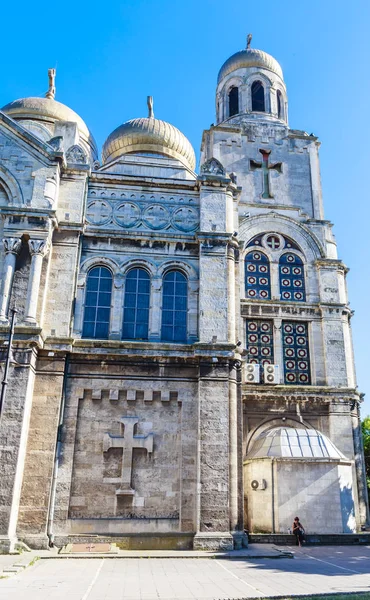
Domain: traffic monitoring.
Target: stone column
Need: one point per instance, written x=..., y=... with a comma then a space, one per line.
x=11, y=249
x=38, y=249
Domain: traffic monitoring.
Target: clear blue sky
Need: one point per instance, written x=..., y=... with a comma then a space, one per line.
x=110, y=56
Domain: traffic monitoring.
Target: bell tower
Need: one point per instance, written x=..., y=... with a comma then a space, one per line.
x=250, y=84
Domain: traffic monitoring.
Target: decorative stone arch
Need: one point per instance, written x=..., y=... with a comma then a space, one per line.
x=177, y=265
x=11, y=186
x=98, y=261
x=234, y=81
x=139, y=263
x=274, y=101
x=270, y=423
x=311, y=247
x=267, y=84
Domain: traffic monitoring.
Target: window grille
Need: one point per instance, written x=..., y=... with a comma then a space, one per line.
x=97, y=303
x=174, y=307
x=257, y=276
x=260, y=342
x=291, y=276
x=136, y=305
x=296, y=353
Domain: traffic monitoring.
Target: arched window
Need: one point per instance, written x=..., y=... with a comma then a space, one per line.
x=233, y=101
x=258, y=96
x=136, y=305
x=279, y=98
x=97, y=303
x=291, y=275
x=257, y=276
x=174, y=307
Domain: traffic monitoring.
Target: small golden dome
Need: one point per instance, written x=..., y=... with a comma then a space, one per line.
x=48, y=110
x=149, y=135
x=250, y=58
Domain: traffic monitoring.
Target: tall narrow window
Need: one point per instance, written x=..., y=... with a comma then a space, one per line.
x=174, y=307
x=257, y=276
x=233, y=101
x=296, y=353
x=260, y=342
x=291, y=275
x=97, y=303
x=258, y=97
x=136, y=305
x=279, y=104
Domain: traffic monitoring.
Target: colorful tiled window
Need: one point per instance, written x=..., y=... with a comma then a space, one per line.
x=257, y=276
x=260, y=342
x=97, y=303
x=174, y=307
x=136, y=306
x=296, y=353
x=291, y=274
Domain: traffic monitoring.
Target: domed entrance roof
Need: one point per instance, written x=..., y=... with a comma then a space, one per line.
x=288, y=442
x=149, y=135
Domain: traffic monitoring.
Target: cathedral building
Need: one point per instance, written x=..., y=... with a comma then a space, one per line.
x=182, y=366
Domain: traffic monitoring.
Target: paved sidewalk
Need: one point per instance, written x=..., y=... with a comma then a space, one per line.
x=314, y=570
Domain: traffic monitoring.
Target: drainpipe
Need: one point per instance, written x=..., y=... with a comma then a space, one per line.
x=58, y=449
x=273, y=495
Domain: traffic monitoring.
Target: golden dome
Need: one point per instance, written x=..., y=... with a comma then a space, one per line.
x=149, y=135
x=250, y=58
x=48, y=110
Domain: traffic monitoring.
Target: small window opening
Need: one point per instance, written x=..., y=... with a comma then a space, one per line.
x=279, y=105
x=233, y=101
x=258, y=97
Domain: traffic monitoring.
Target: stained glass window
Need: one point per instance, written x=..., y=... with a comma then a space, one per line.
x=260, y=342
x=257, y=276
x=136, y=305
x=258, y=96
x=291, y=275
x=296, y=353
x=174, y=307
x=97, y=303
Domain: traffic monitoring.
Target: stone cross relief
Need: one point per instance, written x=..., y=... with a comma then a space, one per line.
x=128, y=441
x=266, y=168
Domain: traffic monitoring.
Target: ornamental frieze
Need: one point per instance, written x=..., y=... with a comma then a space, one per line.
x=143, y=212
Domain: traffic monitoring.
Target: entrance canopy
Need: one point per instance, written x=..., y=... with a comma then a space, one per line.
x=288, y=442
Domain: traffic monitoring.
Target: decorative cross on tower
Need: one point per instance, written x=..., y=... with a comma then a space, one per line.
x=264, y=165
x=127, y=442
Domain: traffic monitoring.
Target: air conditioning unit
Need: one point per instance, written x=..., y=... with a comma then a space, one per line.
x=258, y=484
x=271, y=374
x=252, y=373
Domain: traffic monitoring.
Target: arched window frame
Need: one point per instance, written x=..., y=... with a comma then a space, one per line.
x=98, y=306
x=291, y=276
x=254, y=84
x=258, y=287
x=184, y=338
x=230, y=90
x=140, y=324
x=267, y=84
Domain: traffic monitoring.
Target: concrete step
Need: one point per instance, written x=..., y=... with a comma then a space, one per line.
x=324, y=539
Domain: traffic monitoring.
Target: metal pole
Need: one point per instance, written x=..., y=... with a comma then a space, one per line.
x=4, y=382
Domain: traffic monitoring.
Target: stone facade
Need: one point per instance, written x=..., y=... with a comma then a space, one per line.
x=144, y=434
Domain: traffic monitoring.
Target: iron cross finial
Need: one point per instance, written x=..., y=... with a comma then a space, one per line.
x=51, y=91
x=249, y=39
x=150, y=107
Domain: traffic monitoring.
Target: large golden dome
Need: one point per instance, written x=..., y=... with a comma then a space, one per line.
x=149, y=135
x=47, y=111
x=250, y=57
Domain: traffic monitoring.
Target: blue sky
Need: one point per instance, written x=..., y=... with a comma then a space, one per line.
x=108, y=61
